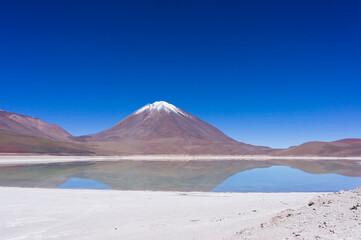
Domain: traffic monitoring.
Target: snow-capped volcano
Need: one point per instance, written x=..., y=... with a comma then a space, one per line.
x=161, y=106
x=163, y=128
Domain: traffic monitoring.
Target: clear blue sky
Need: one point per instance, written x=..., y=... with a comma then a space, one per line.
x=275, y=73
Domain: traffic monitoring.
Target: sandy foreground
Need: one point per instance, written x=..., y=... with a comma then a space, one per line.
x=6, y=159
x=102, y=214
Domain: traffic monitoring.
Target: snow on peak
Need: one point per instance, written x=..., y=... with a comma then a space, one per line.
x=161, y=106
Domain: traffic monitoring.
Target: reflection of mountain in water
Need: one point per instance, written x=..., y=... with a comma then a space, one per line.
x=286, y=179
x=157, y=175
x=129, y=175
x=341, y=167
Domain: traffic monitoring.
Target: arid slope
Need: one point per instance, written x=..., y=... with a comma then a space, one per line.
x=11, y=142
x=26, y=125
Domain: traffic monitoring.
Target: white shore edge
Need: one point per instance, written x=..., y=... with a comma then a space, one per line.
x=6, y=159
x=33, y=213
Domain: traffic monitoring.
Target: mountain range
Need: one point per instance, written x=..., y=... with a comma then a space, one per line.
x=158, y=128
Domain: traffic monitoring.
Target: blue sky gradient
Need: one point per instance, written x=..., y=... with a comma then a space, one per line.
x=275, y=73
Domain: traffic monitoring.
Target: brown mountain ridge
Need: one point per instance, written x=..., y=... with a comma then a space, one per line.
x=26, y=125
x=158, y=128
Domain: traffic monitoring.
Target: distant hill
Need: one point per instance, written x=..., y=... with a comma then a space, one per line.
x=349, y=141
x=343, y=147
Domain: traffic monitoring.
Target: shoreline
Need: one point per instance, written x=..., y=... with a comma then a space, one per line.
x=7, y=159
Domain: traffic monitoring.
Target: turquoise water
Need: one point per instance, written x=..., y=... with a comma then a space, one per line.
x=80, y=183
x=200, y=176
x=286, y=179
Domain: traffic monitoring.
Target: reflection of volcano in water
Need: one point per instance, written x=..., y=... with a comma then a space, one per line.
x=157, y=175
x=129, y=175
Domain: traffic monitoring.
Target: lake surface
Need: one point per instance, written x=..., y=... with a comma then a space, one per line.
x=204, y=176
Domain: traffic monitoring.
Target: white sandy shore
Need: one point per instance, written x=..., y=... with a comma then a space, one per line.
x=100, y=214
x=31, y=159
